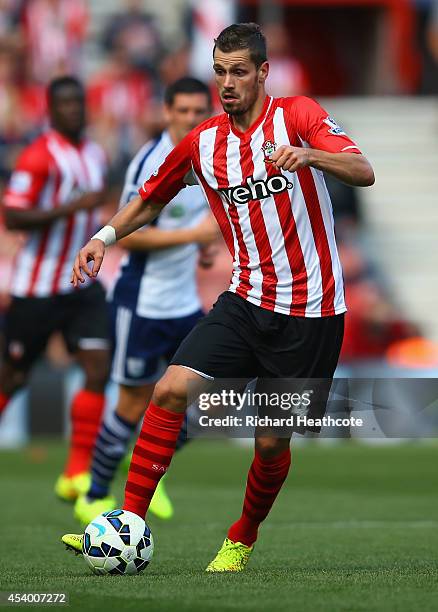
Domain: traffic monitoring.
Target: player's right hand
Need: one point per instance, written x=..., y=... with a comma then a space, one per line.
x=93, y=251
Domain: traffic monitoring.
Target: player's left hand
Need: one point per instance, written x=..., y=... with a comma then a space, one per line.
x=290, y=158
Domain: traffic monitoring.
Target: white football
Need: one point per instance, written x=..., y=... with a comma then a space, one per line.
x=117, y=542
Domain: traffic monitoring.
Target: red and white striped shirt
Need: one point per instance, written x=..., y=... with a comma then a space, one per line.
x=52, y=172
x=278, y=225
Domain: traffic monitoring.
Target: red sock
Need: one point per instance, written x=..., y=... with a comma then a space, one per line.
x=4, y=400
x=265, y=479
x=151, y=458
x=86, y=413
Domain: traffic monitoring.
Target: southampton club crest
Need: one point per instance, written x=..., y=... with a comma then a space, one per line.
x=268, y=148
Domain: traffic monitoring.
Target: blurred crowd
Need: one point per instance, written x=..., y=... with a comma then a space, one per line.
x=40, y=39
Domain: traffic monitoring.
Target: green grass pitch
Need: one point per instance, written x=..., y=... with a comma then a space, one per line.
x=354, y=529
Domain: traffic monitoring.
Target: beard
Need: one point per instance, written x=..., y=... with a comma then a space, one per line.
x=238, y=111
x=235, y=109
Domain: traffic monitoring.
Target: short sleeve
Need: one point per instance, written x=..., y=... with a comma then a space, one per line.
x=163, y=185
x=28, y=179
x=315, y=126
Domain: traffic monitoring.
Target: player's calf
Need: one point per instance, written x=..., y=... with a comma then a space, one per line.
x=269, y=446
x=157, y=440
x=265, y=479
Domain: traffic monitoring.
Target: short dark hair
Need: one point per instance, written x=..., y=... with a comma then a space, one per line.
x=64, y=81
x=186, y=85
x=243, y=36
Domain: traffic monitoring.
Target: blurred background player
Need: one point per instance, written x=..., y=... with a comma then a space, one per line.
x=53, y=196
x=154, y=302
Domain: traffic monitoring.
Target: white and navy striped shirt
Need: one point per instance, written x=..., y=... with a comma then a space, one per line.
x=161, y=284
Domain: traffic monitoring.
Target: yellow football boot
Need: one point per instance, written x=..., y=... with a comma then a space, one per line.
x=68, y=488
x=232, y=557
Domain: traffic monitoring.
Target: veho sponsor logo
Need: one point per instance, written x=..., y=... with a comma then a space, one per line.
x=257, y=190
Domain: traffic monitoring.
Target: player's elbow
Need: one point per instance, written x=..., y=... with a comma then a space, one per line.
x=369, y=177
x=365, y=174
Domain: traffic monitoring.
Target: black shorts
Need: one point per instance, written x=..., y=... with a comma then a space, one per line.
x=240, y=340
x=80, y=316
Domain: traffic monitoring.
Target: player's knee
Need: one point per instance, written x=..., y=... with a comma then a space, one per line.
x=269, y=447
x=170, y=394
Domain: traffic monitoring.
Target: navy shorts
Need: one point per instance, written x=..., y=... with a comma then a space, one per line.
x=143, y=347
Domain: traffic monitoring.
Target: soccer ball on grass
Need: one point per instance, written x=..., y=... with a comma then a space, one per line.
x=117, y=542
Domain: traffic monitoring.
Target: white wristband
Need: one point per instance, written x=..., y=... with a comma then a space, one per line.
x=107, y=234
